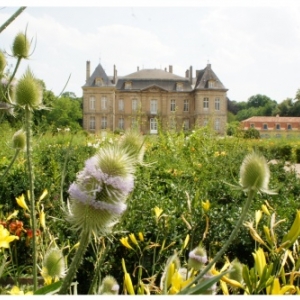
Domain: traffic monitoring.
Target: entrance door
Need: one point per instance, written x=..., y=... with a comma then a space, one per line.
x=153, y=126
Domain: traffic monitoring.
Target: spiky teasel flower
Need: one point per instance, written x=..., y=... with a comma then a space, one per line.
x=109, y=286
x=29, y=91
x=97, y=198
x=19, y=140
x=255, y=174
x=21, y=46
x=236, y=271
x=197, y=258
x=53, y=265
x=133, y=142
x=2, y=62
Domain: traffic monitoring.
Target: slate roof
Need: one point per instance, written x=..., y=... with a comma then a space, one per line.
x=163, y=79
x=99, y=72
x=204, y=76
x=147, y=78
x=273, y=119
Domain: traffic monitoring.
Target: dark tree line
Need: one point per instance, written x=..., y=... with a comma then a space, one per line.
x=262, y=105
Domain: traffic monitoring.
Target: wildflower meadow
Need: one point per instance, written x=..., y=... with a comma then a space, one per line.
x=177, y=213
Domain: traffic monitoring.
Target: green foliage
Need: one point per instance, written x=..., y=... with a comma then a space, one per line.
x=251, y=133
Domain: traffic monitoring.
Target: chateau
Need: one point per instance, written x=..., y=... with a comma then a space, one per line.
x=150, y=99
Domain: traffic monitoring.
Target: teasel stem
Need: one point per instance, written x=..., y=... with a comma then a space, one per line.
x=12, y=18
x=13, y=75
x=11, y=163
x=251, y=194
x=28, y=116
x=83, y=244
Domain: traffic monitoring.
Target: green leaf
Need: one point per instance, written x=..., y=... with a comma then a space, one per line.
x=203, y=286
x=49, y=289
x=247, y=279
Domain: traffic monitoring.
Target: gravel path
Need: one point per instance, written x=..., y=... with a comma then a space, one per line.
x=289, y=166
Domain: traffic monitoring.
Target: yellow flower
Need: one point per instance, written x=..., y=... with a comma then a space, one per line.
x=16, y=291
x=44, y=194
x=158, y=211
x=13, y=215
x=133, y=239
x=124, y=242
x=21, y=202
x=265, y=210
x=5, y=238
x=206, y=205
x=275, y=288
x=258, y=215
x=46, y=276
x=141, y=237
x=223, y=153
x=186, y=241
x=260, y=260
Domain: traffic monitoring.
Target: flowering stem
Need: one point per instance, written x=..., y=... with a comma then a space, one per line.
x=31, y=193
x=83, y=243
x=11, y=163
x=251, y=195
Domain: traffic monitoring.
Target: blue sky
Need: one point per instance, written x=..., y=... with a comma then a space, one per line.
x=253, y=48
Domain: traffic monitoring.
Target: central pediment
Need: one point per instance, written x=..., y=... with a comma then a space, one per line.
x=153, y=89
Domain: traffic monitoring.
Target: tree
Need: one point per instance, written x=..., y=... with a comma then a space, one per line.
x=65, y=113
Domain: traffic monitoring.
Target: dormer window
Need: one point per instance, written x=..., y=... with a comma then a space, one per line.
x=99, y=81
x=128, y=85
x=211, y=83
x=277, y=126
x=179, y=86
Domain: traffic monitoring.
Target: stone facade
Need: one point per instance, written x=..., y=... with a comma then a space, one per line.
x=153, y=99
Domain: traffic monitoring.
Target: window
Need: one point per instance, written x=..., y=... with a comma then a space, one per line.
x=104, y=123
x=121, y=123
x=92, y=103
x=252, y=125
x=186, y=105
x=173, y=105
x=265, y=126
x=186, y=124
x=153, y=106
x=217, y=124
x=289, y=127
x=92, y=123
x=121, y=104
x=277, y=126
x=99, y=81
x=104, y=103
x=211, y=84
x=217, y=104
x=134, y=105
x=127, y=85
x=205, y=103
x=179, y=86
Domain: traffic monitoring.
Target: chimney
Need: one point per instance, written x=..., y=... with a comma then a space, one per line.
x=115, y=75
x=170, y=69
x=165, y=69
x=187, y=74
x=138, y=68
x=191, y=74
x=197, y=73
x=88, y=70
x=208, y=66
